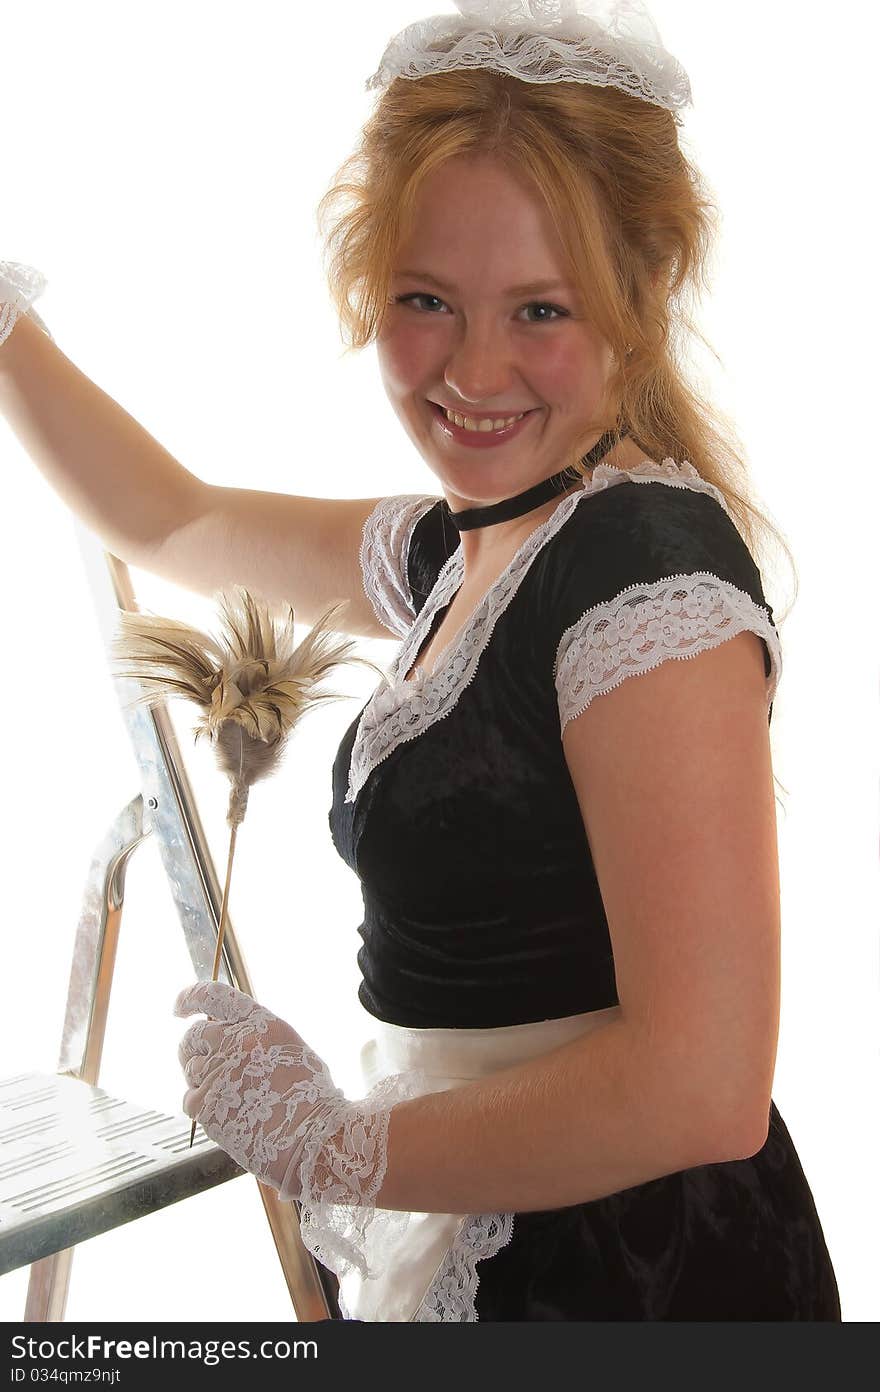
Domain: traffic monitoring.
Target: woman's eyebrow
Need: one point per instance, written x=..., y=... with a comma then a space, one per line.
x=535, y=287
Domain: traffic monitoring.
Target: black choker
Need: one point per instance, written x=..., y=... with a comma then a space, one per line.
x=532, y=498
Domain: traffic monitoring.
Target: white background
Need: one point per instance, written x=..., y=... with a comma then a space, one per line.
x=162, y=164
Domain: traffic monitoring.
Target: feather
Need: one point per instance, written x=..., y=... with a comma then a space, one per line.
x=251, y=689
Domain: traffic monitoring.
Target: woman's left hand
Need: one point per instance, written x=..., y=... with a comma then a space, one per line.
x=268, y=1100
x=255, y=1086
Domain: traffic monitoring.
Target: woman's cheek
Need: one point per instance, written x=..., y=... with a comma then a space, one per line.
x=406, y=356
x=565, y=367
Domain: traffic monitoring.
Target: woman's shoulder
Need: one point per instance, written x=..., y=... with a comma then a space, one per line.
x=652, y=520
x=649, y=565
x=387, y=552
x=640, y=488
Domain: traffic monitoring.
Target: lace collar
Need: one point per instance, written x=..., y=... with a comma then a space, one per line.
x=401, y=710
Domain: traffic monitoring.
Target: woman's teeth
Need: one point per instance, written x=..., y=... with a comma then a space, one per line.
x=467, y=423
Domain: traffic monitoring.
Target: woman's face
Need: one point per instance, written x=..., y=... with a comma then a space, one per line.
x=457, y=332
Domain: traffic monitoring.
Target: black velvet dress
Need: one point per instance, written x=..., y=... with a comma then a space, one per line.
x=453, y=804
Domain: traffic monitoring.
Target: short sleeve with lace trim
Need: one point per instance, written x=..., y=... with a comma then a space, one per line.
x=647, y=574
x=388, y=566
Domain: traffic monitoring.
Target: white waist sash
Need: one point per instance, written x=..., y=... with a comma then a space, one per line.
x=431, y=1271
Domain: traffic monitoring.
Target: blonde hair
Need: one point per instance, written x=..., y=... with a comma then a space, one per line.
x=633, y=215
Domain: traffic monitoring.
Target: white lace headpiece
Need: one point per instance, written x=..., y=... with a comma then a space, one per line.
x=610, y=43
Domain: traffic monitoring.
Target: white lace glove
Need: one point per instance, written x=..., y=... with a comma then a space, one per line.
x=19, y=286
x=267, y=1099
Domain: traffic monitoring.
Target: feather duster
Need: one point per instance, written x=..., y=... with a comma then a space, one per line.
x=252, y=689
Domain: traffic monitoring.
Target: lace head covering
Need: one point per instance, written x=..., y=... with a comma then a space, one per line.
x=610, y=43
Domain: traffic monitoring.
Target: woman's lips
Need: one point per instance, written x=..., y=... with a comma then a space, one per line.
x=479, y=439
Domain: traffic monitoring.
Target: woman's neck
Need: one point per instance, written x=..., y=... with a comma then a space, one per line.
x=487, y=550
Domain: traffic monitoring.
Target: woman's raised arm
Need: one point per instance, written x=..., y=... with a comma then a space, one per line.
x=152, y=513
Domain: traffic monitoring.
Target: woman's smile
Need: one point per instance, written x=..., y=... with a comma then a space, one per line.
x=481, y=437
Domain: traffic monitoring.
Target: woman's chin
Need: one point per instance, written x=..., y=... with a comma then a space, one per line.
x=481, y=487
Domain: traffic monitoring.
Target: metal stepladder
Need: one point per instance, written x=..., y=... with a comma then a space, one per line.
x=74, y=1161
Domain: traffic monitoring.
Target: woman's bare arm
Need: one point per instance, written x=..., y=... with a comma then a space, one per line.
x=290, y=550
x=103, y=465
x=151, y=512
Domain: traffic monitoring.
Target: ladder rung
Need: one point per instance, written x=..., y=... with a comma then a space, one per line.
x=76, y=1162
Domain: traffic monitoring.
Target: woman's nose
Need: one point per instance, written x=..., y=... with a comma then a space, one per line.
x=479, y=369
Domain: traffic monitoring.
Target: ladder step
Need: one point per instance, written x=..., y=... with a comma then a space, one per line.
x=76, y=1162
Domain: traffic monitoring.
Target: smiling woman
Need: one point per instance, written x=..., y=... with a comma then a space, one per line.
x=559, y=804
x=594, y=1004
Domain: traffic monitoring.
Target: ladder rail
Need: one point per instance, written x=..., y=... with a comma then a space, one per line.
x=95, y=945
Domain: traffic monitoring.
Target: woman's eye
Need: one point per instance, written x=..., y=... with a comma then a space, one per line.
x=555, y=310
x=405, y=299
x=539, y=304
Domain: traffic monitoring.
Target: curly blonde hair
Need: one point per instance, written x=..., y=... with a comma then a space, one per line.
x=633, y=215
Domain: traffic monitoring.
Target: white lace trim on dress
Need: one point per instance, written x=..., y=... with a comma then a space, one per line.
x=401, y=710
x=676, y=617
x=383, y=555
x=451, y=1295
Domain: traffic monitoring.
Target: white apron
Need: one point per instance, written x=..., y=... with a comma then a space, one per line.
x=428, y=1272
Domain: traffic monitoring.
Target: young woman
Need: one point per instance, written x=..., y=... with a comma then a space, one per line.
x=561, y=806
